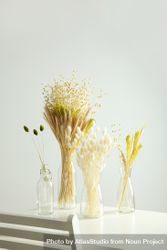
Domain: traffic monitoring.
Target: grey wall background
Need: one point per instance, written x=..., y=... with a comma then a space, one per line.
x=121, y=46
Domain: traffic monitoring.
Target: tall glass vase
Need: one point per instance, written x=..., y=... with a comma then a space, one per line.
x=66, y=197
x=126, y=199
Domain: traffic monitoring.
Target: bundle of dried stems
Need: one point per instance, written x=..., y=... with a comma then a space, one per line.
x=68, y=112
x=132, y=149
x=91, y=160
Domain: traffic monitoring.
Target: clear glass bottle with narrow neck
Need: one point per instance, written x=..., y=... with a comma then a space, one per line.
x=45, y=192
x=126, y=199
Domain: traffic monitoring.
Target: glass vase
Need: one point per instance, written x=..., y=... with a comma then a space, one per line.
x=126, y=199
x=91, y=204
x=66, y=197
x=45, y=192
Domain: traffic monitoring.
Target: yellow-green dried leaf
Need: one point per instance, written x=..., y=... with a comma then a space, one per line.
x=128, y=147
x=89, y=126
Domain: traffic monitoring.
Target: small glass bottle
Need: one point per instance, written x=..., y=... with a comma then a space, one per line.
x=126, y=199
x=45, y=192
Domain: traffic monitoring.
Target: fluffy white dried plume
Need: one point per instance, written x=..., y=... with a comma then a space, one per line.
x=93, y=151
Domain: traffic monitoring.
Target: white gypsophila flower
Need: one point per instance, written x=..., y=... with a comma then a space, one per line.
x=69, y=94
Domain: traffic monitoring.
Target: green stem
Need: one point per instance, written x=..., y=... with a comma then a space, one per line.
x=38, y=152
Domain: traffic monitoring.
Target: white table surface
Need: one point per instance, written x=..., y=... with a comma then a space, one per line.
x=139, y=222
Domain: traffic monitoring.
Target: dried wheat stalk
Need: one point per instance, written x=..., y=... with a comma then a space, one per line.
x=68, y=112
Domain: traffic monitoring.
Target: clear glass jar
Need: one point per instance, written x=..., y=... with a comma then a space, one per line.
x=45, y=192
x=126, y=199
x=91, y=204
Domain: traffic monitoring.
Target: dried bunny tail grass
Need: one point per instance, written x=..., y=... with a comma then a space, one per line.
x=91, y=158
x=94, y=150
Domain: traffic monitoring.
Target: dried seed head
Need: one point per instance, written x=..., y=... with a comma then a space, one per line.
x=69, y=130
x=35, y=132
x=41, y=128
x=26, y=129
x=68, y=95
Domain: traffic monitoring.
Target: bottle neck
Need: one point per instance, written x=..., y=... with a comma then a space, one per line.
x=45, y=172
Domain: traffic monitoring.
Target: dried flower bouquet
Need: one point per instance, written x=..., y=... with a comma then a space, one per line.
x=91, y=159
x=68, y=112
x=132, y=150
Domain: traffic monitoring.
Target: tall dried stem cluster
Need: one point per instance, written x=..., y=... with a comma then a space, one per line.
x=132, y=150
x=91, y=160
x=68, y=112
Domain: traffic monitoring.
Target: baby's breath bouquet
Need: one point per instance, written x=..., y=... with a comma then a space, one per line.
x=68, y=111
x=91, y=160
